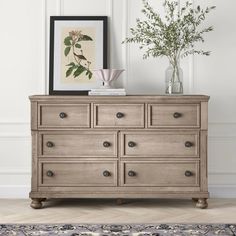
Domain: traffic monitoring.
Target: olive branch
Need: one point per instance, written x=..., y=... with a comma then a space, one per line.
x=175, y=35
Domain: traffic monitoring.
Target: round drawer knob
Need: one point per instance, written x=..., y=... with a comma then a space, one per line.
x=106, y=144
x=188, y=144
x=188, y=173
x=177, y=115
x=131, y=144
x=106, y=173
x=131, y=173
x=49, y=144
x=62, y=115
x=119, y=115
x=49, y=173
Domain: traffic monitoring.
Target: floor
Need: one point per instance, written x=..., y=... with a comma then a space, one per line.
x=107, y=211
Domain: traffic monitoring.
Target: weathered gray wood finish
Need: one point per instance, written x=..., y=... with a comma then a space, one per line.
x=119, y=147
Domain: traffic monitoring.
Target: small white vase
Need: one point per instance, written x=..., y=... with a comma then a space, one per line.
x=107, y=75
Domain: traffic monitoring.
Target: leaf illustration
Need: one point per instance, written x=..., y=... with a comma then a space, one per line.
x=77, y=45
x=69, y=71
x=90, y=75
x=67, y=51
x=86, y=38
x=79, y=71
x=67, y=41
x=71, y=64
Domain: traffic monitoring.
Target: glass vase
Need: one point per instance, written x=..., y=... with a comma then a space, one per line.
x=174, y=79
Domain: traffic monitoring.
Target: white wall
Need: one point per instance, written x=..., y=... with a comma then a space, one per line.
x=24, y=71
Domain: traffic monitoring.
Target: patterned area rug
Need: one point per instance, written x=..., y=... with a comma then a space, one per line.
x=118, y=230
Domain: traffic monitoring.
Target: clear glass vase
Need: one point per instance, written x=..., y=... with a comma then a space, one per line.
x=174, y=79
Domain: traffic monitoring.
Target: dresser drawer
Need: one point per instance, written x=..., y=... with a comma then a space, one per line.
x=118, y=115
x=160, y=173
x=177, y=115
x=63, y=116
x=83, y=173
x=160, y=144
x=78, y=144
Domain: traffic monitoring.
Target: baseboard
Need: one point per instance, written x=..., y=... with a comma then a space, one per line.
x=22, y=191
x=222, y=191
x=14, y=191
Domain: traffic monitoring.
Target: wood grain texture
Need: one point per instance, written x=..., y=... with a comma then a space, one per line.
x=91, y=139
x=204, y=161
x=78, y=144
x=34, y=115
x=160, y=173
x=120, y=99
x=75, y=116
x=78, y=173
x=204, y=115
x=34, y=163
x=159, y=144
x=105, y=115
x=163, y=115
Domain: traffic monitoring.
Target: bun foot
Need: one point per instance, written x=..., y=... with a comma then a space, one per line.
x=202, y=203
x=37, y=203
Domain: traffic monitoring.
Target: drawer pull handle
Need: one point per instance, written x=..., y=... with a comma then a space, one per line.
x=106, y=173
x=50, y=173
x=106, y=144
x=131, y=173
x=177, y=115
x=188, y=144
x=50, y=144
x=131, y=144
x=63, y=115
x=188, y=173
x=119, y=115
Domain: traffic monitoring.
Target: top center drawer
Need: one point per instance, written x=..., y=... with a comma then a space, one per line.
x=118, y=115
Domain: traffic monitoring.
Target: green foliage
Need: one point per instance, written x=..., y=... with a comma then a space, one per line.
x=175, y=34
x=67, y=41
x=86, y=38
x=77, y=45
x=67, y=51
x=71, y=44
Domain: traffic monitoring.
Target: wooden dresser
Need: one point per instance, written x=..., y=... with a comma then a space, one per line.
x=119, y=147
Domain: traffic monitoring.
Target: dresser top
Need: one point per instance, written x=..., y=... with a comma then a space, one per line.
x=128, y=98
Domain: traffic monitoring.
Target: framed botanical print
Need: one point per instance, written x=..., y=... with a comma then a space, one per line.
x=78, y=45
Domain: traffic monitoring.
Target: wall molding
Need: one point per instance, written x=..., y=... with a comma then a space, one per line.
x=44, y=52
x=14, y=191
x=110, y=5
x=221, y=173
x=221, y=137
x=222, y=123
x=14, y=136
x=8, y=171
x=222, y=191
x=62, y=7
x=126, y=47
x=14, y=123
x=191, y=70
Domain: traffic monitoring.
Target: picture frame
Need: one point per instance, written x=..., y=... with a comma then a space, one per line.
x=78, y=44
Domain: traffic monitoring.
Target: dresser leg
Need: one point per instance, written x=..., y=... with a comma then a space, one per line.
x=37, y=203
x=202, y=203
x=120, y=201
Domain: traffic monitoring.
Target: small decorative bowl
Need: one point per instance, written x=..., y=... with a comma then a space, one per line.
x=107, y=75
